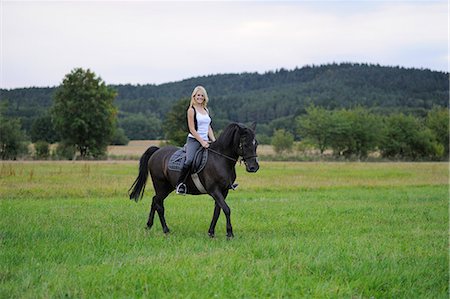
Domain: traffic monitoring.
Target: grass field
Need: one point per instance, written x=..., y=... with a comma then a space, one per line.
x=316, y=230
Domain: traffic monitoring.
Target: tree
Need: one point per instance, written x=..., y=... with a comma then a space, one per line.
x=83, y=112
x=340, y=132
x=315, y=126
x=12, y=139
x=354, y=132
x=438, y=122
x=141, y=127
x=366, y=128
x=406, y=137
x=43, y=129
x=282, y=141
x=175, y=125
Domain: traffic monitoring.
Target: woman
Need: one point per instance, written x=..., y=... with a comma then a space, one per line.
x=200, y=132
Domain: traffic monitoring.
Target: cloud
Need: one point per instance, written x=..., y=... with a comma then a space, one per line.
x=157, y=42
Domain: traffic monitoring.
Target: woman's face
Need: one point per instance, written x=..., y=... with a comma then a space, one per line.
x=199, y=97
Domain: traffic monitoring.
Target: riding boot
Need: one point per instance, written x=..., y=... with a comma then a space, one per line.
x=181, y=186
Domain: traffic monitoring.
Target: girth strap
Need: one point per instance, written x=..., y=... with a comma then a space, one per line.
x=197, y=183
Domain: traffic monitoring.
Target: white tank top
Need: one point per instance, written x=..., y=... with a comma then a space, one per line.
x=203, y=122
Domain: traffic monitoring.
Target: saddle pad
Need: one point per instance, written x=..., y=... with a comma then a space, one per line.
x=176, y=161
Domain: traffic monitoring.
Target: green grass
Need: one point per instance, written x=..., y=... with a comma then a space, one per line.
x=302, y=230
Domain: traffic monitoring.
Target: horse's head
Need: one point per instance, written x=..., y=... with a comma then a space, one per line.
x=248, y=145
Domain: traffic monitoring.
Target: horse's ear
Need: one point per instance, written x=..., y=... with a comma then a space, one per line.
x=241, y=126
x=253, y=126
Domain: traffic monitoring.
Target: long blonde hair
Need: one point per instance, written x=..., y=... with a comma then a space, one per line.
x=194, y=92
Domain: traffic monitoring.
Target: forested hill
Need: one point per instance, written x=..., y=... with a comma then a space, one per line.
x=272, y=96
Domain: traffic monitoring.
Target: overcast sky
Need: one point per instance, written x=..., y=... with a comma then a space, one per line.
x=157, y=42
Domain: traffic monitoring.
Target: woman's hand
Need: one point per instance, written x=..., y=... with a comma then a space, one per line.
x=205, y=144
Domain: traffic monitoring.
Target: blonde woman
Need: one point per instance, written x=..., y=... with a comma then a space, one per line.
x=200, y=132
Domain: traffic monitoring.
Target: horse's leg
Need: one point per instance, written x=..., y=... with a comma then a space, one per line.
x=158, y=206
x=162, y=219
x=216, y=214
x=151, y=216
x=220, y=200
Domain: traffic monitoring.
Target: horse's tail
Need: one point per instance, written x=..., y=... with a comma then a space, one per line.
x=139, y=184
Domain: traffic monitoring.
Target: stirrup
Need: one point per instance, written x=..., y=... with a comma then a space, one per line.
x=181, y=189
x=233, y=186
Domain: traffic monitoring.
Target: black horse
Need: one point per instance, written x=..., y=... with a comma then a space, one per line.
x=217, y=176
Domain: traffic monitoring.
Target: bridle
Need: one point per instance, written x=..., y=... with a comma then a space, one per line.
x=241, y=149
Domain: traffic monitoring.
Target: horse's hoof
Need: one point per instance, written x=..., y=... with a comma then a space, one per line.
x=166, y=231
x=230, y=236
x=211, y=235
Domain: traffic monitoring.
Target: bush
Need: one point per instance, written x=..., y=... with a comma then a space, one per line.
x=282, y=141
x=65, y=151
x=263, y=139
x=305, y=147
x=42, y=149
x=119, y=137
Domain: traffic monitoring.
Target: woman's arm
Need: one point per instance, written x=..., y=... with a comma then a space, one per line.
x=211, y=134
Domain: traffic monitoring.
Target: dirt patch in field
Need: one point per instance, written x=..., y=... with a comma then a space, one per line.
x=134, y=148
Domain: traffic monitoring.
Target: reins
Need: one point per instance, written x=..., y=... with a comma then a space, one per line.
x=223, y=155
x=232, y=159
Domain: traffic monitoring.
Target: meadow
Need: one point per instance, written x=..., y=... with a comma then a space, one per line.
x=314, y=230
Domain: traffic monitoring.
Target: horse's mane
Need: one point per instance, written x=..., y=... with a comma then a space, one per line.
x=227, y=136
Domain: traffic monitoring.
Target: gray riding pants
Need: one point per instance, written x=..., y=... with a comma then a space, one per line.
x=191, y=146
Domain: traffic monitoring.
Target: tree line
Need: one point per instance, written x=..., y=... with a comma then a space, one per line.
x=338, y=98
x=272, y=99
x=350, y=133
x=357, y=132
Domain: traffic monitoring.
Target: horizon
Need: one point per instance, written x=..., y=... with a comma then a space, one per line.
x=219, y=74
